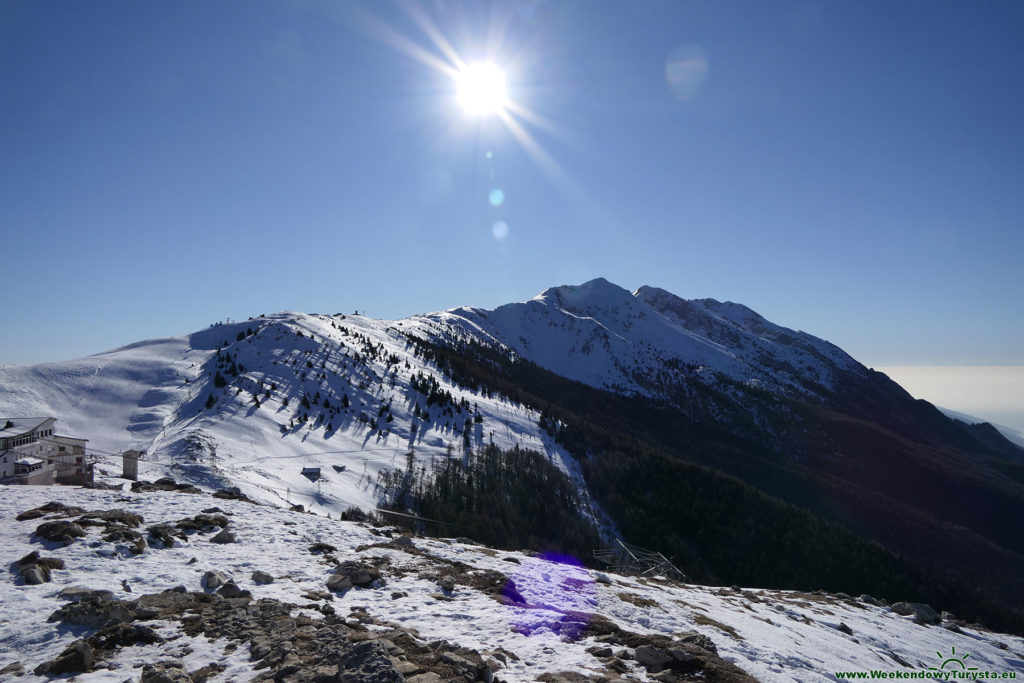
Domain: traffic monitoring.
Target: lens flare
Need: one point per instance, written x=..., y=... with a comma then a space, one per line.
x=685, y=71
x=551, y=596
x=496, y=197
x=500, y=231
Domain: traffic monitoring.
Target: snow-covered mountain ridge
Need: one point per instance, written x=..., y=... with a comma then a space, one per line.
x=650, y=341
x=425, y=605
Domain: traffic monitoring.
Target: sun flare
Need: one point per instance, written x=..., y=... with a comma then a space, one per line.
x=481, y=89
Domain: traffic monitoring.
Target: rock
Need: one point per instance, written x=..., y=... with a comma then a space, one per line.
x=654, y=659
x=407, y=668
x=61, y=531
x=233, y=493
x=922, y=613
x=117, y=635
x=601, y=577
x=902, y=608
x=35, y=570
x=446, y=583
x=339, y=582
x=318, y=595
x=869, y=600
x=600, y=652
x=214, y=579
x=203, y=674
x=429, y=677
x=163, y=536
x=510, y=594
x=358, y=573
x=318, y=548
x=103, y=486
x=112, y=517
x=701, y=641
x=31, y=558
x=367, y=662
x=845, y=629
x=13, y=669
x=297, y=508
x=404, y=542
x=134, y=541
x=261, y=578
x=76, y=593
x=202, y=522
x=93, y=612
x=165, y=672
x=76, y=658
x=50, y=508
x=213, y=511
x=231, y=590
x=224, y=536
x=50, y=562
x=35, y=574
x=163, y=484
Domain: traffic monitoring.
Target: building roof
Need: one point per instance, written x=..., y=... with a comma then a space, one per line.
x=20, y=425
x=28, y=461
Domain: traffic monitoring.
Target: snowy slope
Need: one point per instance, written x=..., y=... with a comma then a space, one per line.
x=155, y=396
x=649, y=342
x=772, y=635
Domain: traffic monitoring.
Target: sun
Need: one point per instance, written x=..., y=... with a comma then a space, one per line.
x=481, y=89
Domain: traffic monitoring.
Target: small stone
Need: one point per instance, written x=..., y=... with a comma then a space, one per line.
x=214, y=579
x=339, y=582
x=224, y=536
x=165, y=672
x=429, y=677
x=261, y=578
x=231, y=590
x=35, y=574
x=318, y=548
x=60, y=532
x=76, y=593
x=13, y=669
x=654, y=659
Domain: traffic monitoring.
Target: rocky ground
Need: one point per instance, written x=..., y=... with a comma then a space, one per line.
x=165, y=583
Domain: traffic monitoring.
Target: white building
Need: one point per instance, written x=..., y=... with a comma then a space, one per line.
x=31, y=453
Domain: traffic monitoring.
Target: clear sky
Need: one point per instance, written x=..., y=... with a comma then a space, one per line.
x=852, y=169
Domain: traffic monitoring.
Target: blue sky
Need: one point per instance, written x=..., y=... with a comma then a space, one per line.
x=854, y=170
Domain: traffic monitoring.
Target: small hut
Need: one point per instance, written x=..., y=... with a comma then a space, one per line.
x=130, y=464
